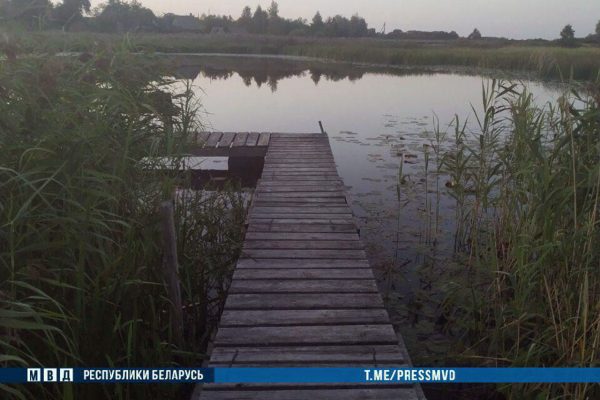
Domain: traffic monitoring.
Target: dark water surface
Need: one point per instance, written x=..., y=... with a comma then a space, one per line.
x=377, y=119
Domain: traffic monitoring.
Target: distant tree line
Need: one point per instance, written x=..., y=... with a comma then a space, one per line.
x=122, y=15
x=132, y=16
x=128, y=16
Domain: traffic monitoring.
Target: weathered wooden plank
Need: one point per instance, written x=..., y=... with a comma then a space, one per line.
x=309, y=273
x=307, y=176
x=264, y=139
x=255, y=263
x=296, y=170
x=213, y=139
x=303, y=155
x=311, y=335
x=299, y=186
x=310, y=195
x=300, y=393
x=278, y=179
x=309, y=254
x=289, y=144
x=240, y=139
x=300, y=155
x=274, y=177
x=298, y=135
x=312, y=177
x=300, y=196
x=302, y=236
x=297, y=226
x=301, y=189
x=304, y=217
x=331, y=202
x=259, y=208
x=298, y=149
x=280, y=163
x=368, y=355
x=299, y=138
x=295, y=301
x=263, y=318
x=296, y=146
x=300, y=165
x=303, y=286
x=252, y=139
x=227, y=139
x=300, y=171
x=303, y=221
x=299, y=161
x=322, y=140
x=300, y=174
x=293, y=144
x=303, y=245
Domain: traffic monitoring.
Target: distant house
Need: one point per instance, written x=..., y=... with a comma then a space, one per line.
x=184, y=23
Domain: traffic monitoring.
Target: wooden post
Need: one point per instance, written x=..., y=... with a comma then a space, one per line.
x=321, y=126
x=170, y=266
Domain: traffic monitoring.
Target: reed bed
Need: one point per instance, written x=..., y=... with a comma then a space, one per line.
x=545, y=60
x=526, y=181
x=81, y=271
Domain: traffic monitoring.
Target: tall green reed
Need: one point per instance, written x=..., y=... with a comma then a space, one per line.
x=526, y=180
x=80, y=251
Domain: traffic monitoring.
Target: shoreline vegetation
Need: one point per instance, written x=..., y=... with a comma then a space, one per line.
x=522, y=288
x=542, y=60
x=82, y=253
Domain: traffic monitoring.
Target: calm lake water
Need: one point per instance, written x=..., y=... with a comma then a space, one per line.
x=372, y=117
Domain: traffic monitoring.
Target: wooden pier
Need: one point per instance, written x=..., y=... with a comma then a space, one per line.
x=303, y=293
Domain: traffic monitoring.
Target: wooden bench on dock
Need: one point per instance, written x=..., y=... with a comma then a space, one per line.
x=234, y=144
x=303, y=293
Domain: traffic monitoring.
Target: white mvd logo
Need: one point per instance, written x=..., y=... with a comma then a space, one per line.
x=49, y=374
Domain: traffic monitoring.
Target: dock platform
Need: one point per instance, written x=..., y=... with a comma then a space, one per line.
x=303, y=293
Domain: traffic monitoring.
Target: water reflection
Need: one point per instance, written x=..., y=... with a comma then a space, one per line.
x=270, y=71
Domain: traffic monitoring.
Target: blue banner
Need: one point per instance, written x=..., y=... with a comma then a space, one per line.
x=300, y=375
x=407, y=375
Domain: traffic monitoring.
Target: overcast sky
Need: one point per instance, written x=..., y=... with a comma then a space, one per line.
x=509, y=18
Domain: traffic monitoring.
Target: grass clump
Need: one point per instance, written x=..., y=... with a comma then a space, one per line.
x=81, y=279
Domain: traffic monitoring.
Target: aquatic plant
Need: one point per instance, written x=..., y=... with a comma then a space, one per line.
x=526, y=180
x=81, y=273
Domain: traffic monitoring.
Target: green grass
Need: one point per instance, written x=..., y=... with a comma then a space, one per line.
x=81, y=275
x=547, y=61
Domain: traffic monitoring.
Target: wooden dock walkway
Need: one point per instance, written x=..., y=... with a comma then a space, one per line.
x=303, y=293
